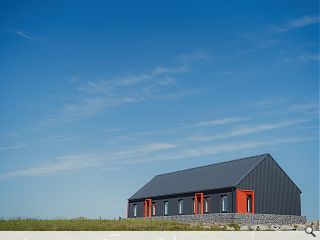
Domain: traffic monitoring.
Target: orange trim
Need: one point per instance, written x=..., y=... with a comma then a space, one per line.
x=147, y=207
x=198, y=196
x=241, y=200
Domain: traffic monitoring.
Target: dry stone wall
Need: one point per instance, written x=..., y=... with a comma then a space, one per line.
x=242, y=219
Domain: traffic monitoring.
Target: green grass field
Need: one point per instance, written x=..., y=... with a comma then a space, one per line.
x=99, y=225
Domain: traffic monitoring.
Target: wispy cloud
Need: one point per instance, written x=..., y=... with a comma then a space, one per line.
x=15, y=146
x=9, y=135
x=111, y=130
x=60, y=164
x=180, y=128
x=279, y=106
x=196, y=55
x=24, y=35
x=271, y=102
x=81, y=161
x=147, y=153
x=55, y=139
x=230, y=147
x=215, y=122
x=228, y=72
x=298, y=59
x=245, y=130
x=186, y=129
x=309, y=57
x=298, y=23
x=37, y=141
x=262, y=44
x=268, y=37
x=172, y=70
x=93, y=97
x=311, y=106
x=176, y=143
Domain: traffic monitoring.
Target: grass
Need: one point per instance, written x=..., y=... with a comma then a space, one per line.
x=235, y=226
x=100, y=225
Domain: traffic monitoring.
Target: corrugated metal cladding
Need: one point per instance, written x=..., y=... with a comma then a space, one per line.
x=274, y=191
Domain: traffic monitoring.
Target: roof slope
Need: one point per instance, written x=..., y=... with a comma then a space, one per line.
x=214, y=176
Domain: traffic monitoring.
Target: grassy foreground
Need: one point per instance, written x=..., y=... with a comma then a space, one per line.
x=99, y=225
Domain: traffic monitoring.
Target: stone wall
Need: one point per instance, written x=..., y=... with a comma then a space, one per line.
x=242, y=219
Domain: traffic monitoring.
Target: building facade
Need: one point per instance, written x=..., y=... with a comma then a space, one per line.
x=249, y=185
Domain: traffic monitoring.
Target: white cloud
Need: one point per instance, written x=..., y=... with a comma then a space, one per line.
x=174, y=148
x=34, y=141
x=9, y=135
x=158, y=147
x=166, y=81
x=297, y=60
x=196, y=55
x=24, y=35
x=304, y=107
x=184, y=130
x=271, y=102
x=215, y=122
x=260, y=45
x=305, y=57
x=142, y=154
x=61, y=164
x=230, y=147
x=15, y=146
x=115, y=130
x=131, y=80
x=94, y=97
x=55, y=139
x=176, y=94
x=174, y=70
x=245, y=130
x=298, y=23
x=81, y=161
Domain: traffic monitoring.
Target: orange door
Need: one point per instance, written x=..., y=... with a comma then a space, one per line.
x=147, y=207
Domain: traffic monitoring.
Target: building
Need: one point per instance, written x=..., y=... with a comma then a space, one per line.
x=254, y=184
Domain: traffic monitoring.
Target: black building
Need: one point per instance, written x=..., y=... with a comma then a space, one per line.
x=249, y=185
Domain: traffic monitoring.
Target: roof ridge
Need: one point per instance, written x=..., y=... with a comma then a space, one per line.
x=212, y=164
x=253, y=167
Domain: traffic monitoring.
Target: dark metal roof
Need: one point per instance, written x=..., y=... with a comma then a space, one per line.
x=214, y=176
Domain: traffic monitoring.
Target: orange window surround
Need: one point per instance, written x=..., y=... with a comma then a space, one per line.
x=241, y=200
x=198, y=198
x=147, y=207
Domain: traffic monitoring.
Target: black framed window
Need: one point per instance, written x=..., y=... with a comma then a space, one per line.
x=135, y=209
x=166, y=207
x=224, y=203
x=153, y=208
x=249, y=203
x=181, y=206
x=206, y=204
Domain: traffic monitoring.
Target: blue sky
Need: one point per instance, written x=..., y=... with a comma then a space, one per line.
x=97, y=97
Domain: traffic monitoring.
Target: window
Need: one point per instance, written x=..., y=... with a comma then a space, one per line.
x=153, y=209
x=194, y=205
x=249, y=203
x=206, y=204
x=181, y=206
x=166, y=205
x=224, y=203
x=135, y=207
